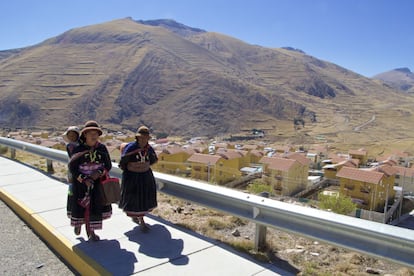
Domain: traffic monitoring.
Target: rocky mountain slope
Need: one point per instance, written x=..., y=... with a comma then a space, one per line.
x=400, y=78
x=185, y=81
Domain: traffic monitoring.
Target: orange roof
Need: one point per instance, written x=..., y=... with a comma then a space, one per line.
x=277, y=163
x=301, y=158
x=403, y=171
x=349, y=163
x=341, y=160
x=172, y=150
x=230, y=154
x=360, y=175
x=257, y=153
x=390, y=162
x=386, y=169
x=204, y=158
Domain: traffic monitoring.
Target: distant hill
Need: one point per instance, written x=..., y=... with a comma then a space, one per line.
x=190, y=82
x=400, y=78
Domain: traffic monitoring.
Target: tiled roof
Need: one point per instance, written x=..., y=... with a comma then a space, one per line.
x=360, y=175
x=231, y=153
x=172, y=150
x=257, y=153
x=349, y=163
x=301, y=158
x=390, y=162
x=403, y=171
x=204, y=158
x=386, y=169
x=277, y=163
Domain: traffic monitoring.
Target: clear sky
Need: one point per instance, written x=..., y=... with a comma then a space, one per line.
x=365, y=36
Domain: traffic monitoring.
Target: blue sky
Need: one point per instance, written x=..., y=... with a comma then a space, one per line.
x=365, y=36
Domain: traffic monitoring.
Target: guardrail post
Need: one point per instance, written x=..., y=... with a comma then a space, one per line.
x=12, y=153
x=49, y=165
x=260, y=234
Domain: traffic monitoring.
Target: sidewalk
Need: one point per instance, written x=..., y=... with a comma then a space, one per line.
x=123, y=250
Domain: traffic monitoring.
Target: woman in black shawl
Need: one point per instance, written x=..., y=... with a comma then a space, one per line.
x=88, y=163
x=138, y=191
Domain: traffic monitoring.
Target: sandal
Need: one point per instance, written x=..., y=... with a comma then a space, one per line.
x=77, y=230
x=144, y=227
x=93, y=237
x=136, y=220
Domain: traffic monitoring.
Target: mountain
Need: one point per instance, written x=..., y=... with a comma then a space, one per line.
x=190, y=82
x=400, y=78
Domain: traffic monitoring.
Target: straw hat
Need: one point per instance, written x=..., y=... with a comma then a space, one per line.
x=91, y=125
x=71, y=128
x=143, y=131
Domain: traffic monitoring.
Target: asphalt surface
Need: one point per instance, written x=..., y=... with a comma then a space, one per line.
x=22, y=252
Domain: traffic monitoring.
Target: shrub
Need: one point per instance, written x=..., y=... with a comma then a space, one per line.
x=257, y=187
x=3, y=149
x=336, y=203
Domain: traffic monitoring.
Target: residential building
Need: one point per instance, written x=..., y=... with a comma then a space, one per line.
x=370, y=189
x=330, y=170
x=360, y=154
x=405, y=179
x=204, y=167
x=229, y=166
x=285, y=175
x=173, y=160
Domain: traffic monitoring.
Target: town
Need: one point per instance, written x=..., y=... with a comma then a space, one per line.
x=381, y=188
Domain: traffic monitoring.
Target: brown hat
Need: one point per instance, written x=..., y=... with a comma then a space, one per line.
x=91, y=125
x=143, y=131
x=71, y=128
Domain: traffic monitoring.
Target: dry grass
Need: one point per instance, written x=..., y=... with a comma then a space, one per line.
x=297, y=253
x=294, y=253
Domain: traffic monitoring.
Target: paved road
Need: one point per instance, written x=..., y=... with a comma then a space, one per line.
x=23, y=252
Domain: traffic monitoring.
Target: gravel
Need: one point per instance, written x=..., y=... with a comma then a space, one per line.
x=23, y=252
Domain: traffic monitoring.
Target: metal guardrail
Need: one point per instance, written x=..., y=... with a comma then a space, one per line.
x=379, y=240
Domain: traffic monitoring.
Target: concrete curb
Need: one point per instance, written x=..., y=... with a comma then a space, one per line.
x=82, y=263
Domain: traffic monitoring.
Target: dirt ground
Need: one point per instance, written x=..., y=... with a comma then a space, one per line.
x=293, y=253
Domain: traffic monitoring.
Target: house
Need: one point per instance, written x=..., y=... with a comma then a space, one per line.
x=229, y=166
x=404, y=178
x=402, y=158
x=204, y=167
x=360, y=154
x=173, y=160
x=285, y=175
x=330, y=170
x=370, y=189
x=254, y=156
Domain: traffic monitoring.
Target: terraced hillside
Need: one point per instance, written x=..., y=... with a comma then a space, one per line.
x=190, y=82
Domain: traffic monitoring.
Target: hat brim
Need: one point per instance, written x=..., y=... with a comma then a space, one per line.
x=142, y=135
x=86, y=129
x=65, y=134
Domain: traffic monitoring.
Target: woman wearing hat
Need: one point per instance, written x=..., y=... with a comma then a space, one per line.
x=88, y=163
x=71, y=137
x=138, y=191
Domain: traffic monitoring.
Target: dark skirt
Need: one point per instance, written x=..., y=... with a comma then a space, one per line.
x=97, y=210
x=138, y=193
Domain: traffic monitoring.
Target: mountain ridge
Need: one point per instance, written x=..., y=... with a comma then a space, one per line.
x=399, y=78
x=124, y=73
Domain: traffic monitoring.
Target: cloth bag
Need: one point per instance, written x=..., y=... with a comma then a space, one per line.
x=111, y=188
